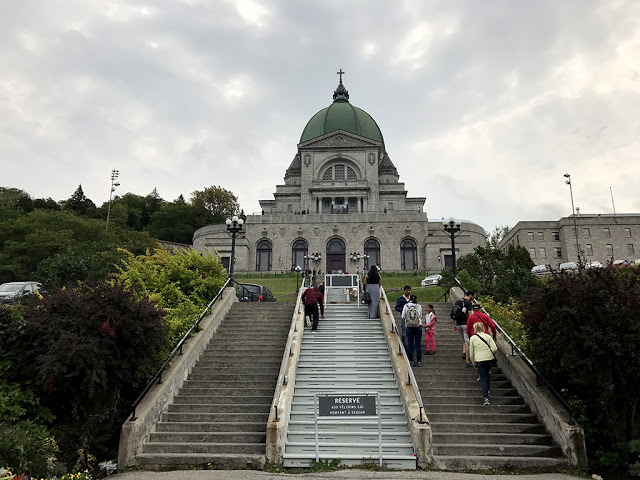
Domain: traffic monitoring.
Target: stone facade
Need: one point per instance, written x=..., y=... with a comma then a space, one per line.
x=341, y=195
x=601, y=237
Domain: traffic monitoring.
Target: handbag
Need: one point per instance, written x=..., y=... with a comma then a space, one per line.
x=367, y=297
x=494, y=362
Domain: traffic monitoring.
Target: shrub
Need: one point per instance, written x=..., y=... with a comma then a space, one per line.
x=88, y=349
x=583, y=333
x=28, y=448
x=182, y=283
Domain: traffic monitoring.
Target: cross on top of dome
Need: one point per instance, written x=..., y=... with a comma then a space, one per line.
x=341, y=94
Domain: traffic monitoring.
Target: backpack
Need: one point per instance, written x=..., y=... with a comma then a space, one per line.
x=413, y=317
x=456, y=311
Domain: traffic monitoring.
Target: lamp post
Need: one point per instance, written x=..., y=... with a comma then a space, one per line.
x=234, y=227
x=297, y=269
x=452, y=227
x=575, y=225
x=114, y=184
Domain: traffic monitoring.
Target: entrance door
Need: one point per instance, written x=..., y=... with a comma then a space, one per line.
x=336, y=256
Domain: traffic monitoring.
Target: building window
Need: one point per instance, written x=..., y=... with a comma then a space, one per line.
x=532, y=252
x=555, y=236
x=372, y=249
x=607, y=232
x=541, y=236
x=543, y=252
x=586, y=233
x=409, y=254
x=328, y=174
x=351, y=174
x=290, y=207
x=627, y=232
x=609, y=250
x=530, y=236
x=263, y=256
x=390, y=205
x=630, y=249
x=588, y=248
x=339, y=172
x=298, y=252
x=557, y=252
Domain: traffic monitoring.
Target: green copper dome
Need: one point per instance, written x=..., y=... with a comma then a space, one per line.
x=341, y=115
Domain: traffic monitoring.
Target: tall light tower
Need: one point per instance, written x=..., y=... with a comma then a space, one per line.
x=114, y=184
x=575, y=225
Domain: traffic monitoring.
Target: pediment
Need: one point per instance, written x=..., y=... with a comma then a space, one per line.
x=339, y=139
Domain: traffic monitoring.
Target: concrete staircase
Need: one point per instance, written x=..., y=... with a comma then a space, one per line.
x=347, y=354
x=467, y=434
x=220, y=414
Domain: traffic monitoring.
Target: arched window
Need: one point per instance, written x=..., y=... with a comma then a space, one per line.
x=263, y=256
x=339, y=172
x=409, y=254
x=298, y=252
x=372, y=249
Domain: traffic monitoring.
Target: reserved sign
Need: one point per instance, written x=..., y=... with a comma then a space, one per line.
x=347, y=405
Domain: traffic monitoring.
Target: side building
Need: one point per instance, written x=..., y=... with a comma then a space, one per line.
x=341, y=207
x=600, y=237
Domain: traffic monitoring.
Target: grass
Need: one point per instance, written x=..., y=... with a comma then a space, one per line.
x=283, y=285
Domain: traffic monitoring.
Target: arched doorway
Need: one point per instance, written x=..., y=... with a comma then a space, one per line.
x=336, y=255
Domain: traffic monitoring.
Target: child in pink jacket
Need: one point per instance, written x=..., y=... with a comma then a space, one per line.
x=430, y=322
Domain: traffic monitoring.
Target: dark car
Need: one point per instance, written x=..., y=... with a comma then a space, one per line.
x=249, y=292
x=12, y=291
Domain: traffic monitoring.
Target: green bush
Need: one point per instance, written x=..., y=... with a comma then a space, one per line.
x=583, y=334
x=182, y=283
x=28, y=448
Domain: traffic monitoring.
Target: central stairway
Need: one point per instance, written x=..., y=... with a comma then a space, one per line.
x=347, y=354
x=467, y=434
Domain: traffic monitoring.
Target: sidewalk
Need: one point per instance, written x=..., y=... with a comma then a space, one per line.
x=351, y=474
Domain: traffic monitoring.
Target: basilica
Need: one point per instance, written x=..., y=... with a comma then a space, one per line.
x=342, y=207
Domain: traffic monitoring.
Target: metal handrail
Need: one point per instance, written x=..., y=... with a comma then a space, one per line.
x=282, y=377
x=411, y=380
x=529, y=363
x=157, y=378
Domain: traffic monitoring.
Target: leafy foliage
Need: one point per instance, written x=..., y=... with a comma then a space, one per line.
x=502, y=275
x=61, y=248
x=584, y=332
x=89, y=349
x=27, y=447
x=79, y=203
x=213, y=205
x=182, y=283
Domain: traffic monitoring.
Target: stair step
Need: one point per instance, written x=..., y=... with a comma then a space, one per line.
x=493, y=438
x=174, y=461
x=522, y=463
x=209, y=437
x=210, y=427
x=215, y=408
x=208, y=447
x=475, y=449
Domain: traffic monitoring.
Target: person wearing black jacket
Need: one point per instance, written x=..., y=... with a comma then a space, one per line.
x=460, y=323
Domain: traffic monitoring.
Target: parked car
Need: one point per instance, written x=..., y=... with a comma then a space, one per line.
x=541, y=269
x=593, y=264
x=12, y=291
x=620, y=263
x=569, y=266
x=250, y=292
x=431, y=280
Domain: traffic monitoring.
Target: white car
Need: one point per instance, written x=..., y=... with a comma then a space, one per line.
x=431, y=280
x=540, y=269
x=593, y=264
x=568, y=266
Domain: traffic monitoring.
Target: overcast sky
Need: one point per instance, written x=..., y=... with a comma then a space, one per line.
x=484, y=105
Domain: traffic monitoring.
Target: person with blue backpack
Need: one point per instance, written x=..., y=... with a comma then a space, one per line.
x=412, y=317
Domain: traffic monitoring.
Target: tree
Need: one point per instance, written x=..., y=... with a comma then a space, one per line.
x=61, y=248
x=46, y=204
x=80, y=204
x=90, y=349
x=497, y=235
x=213, y=205
x=175, y=222
x=583, y=332
x=14, y=203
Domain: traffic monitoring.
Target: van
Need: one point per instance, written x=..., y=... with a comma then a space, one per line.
x=568, y=266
